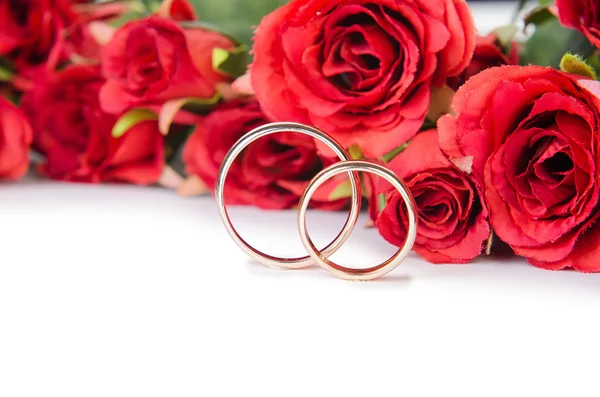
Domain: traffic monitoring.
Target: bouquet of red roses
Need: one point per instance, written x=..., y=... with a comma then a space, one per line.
x=497, y=135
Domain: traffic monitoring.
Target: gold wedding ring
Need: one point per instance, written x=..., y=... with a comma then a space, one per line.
x=346, y=165
x=234, y=152
x=321, y=258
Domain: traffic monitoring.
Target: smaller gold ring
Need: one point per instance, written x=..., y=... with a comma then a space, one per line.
x=321, y=258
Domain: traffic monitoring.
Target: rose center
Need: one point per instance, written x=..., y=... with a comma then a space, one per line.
x=558, y=165
x=435, y=213
x=359, y=53
x=546, y=178
x=144, y=71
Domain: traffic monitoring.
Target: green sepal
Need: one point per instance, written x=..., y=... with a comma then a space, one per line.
x=573, y=63
x=594, y=62
x=232, y=63
x=198, y=106
x=550, y=41
x=356, y=152
x=381, y=202
x=394, y=153
x=201, y=106
x=131, y=119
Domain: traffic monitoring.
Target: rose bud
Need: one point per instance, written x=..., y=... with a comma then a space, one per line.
x=150, y=61
x=453, y=220
x=74, y=134
x=177, y=10
x=360, y=70
x=489, y=52
x=271, y=173
x=531, y=134
x=15, y=140
x=581, y=15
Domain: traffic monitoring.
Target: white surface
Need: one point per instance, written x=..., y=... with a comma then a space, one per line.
x=125, y=291
x=490, y=15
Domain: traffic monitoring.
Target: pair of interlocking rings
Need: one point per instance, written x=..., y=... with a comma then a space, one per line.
x=346, y=165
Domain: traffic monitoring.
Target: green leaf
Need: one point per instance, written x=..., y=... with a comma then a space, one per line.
x=174, y=143
x=550, y=41
x=392, y=155
x=239, y=18
x=131, y=119
x=233, y=63
x=538, y=16
x=152, y=5
x=572, y=63
x=213, y=27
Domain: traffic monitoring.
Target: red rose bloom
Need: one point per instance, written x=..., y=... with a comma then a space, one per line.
x=15, y=140
x=271, y=173
x=75, y=134
x=148, y=62
x=532, y=133
x=489, y=52
x=583, y=15
x=360, y=69
x=453, y=219
x=35, y=32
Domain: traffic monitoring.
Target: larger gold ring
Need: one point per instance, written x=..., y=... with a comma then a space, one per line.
x=272, y=261
x=321, y=258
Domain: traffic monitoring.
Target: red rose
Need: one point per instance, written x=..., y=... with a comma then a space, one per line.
x=361, y=70
x=453, y=219
x=271, y=173
x=148, y=62
x=15, y=139
x=489, y=52
x=36, y=32
x=581, y=15
x=532, y=133
x=75, y=134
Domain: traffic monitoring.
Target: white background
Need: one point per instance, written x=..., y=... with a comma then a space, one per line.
x=127, y=291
